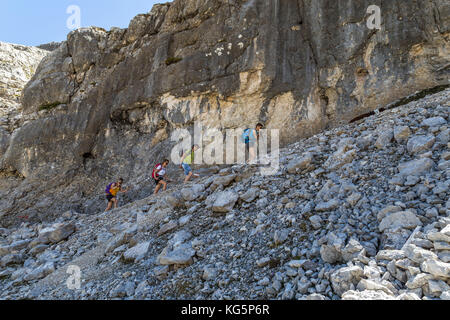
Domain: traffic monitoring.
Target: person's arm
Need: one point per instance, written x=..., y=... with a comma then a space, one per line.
x=124, y=191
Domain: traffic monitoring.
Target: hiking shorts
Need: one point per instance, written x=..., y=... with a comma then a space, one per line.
x=110, y=197
x=158, y=180
x=187, y=168
x=250, y=144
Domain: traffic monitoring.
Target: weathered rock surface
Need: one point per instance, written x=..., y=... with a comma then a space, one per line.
x=17, y=66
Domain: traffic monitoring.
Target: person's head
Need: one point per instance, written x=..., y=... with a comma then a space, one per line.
x=120, y=181
x=195, y=147
x=165, y=163
x=259, y=126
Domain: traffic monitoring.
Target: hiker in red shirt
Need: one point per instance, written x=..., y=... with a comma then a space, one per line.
x=159, y=176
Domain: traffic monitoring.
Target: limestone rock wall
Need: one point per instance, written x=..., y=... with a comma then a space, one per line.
x=17, y=66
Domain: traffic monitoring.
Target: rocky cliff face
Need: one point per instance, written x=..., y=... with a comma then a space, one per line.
x=17, y=65
x=104, y=103
x=357, y=212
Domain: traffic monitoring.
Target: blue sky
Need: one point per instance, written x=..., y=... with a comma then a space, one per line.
x=34, y=22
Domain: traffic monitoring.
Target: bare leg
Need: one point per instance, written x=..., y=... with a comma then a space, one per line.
x=164, y=185
x=188, y=177
x=115, y=203
x=158, y=186
x=252, y=155
x=109, y=206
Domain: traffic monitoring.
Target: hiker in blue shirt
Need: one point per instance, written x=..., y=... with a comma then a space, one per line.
x=250, y=138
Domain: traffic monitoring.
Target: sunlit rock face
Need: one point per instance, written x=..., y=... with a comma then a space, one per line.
x=17, y=66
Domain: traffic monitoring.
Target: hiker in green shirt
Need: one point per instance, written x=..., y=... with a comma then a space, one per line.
x=186, y=161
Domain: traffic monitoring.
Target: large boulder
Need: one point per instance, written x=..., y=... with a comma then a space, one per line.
x=415, y=167
x=434, y=122
x=40, y=272
x=57, y=233
x=329, y=254
x=327, y=205
x=223, y=181
x=136, y=253
x=168, y=227
x=343, y=279
x=300, y=163
x=225, y=201
x=345, y=154
x=280, y=236
x=385, y=138
x=367, y=284
x=402, y=219
x=181, y=255
x=192, y=193
x=12, y=259
x=250, y=195
x=316, y=221
x=352, y=250
x=420, y=143
x=390, y=255
x=401, y=133
x=367, y=295
x=419, y=255
x=436, y=268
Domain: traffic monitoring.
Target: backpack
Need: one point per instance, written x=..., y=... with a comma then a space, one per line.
x=154, y=171
x=108, y=188
x=247, y=135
